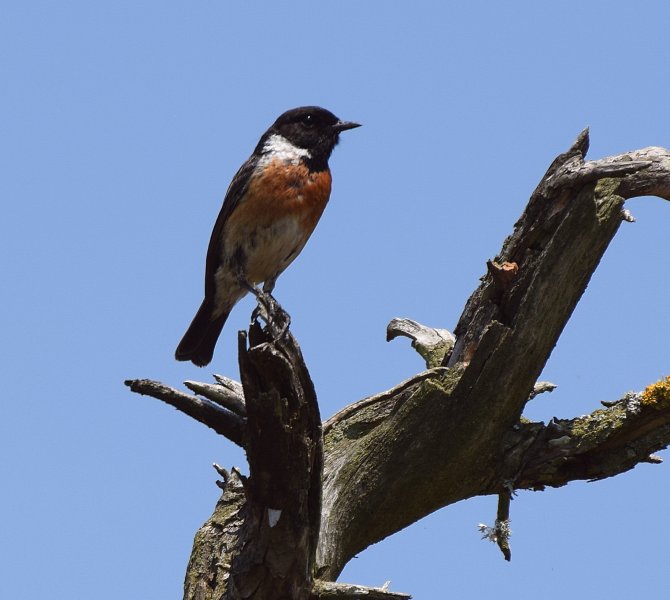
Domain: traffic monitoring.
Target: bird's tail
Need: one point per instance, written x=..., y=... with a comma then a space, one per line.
x=199, y=341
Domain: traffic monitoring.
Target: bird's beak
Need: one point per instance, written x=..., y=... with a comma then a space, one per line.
x=344, y=125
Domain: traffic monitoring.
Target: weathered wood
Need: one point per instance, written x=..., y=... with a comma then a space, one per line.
x=224, y=422
x=432, y=344
x=275, y=552
x=208, y=571
x=440, y=440
x=229, y=395
x=607, y=442
x=446, y=434
x=324, y=590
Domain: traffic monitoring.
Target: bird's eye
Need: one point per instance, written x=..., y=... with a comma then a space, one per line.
x=307, y=119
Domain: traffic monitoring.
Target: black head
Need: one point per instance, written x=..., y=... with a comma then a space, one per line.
x=310, y=128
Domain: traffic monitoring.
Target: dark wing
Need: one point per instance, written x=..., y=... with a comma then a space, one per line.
x=236, y=190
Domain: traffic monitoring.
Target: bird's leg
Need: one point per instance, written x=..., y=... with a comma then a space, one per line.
x=268, y=309
x=279, y=318
x=261, y=307
x=269, y=285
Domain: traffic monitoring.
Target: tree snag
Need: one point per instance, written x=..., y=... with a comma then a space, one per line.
x=317, y=495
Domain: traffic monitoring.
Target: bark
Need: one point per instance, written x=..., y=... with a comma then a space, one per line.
x=449, y=433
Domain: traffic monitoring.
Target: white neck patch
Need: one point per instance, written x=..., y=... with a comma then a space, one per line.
x=277, y=147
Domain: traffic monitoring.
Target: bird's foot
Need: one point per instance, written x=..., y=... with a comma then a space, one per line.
x=270, y=311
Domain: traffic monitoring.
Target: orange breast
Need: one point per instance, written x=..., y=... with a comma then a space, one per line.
x=283, y=191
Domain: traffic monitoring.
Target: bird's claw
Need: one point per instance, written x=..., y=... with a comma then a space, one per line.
x=270, y=311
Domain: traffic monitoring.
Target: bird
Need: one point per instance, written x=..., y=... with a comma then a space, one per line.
x=271, y=208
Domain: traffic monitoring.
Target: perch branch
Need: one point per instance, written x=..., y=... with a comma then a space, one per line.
x=274, y=556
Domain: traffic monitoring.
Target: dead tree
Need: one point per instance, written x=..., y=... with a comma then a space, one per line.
x=318, y=493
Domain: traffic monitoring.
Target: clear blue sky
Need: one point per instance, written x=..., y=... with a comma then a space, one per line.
x=121, y=124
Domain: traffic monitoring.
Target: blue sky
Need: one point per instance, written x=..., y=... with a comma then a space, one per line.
x=121, y=126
